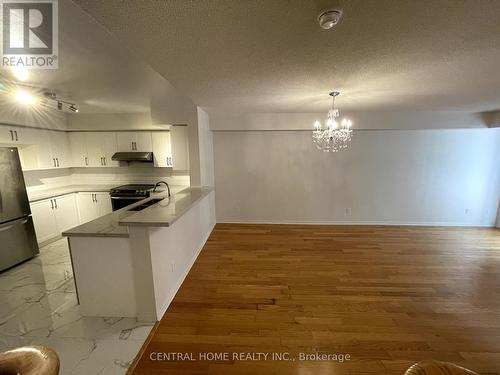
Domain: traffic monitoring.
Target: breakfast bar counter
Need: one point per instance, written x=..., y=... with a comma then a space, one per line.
x=131, y=263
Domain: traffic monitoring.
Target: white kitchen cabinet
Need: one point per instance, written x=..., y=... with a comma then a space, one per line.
x=66, y=212
x=6, y=135
x=44, y=220
x=78, y=147
x=93, y=149
x=108, y=148
x=59, y=146
x=16, y=135
x=92, y=205
x=134, y=141
x=162, y=149
x=180, y=147
x=44, y=151
x=53, y=216
x=103, y=202
x=86, y=207
x=52, y=149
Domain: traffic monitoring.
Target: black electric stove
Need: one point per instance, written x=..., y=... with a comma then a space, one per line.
x=125, y=195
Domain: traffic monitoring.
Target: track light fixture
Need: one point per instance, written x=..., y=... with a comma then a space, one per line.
x=60, y=103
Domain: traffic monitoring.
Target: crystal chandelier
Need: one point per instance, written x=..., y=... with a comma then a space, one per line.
x=334, y=137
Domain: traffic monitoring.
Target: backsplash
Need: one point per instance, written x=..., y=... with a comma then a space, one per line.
x=43, y=179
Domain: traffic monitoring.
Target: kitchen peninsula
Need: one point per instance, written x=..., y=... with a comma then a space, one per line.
x=131, y=263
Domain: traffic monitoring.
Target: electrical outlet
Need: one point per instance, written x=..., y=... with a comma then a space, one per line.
x=348, y=211
x=237, y=209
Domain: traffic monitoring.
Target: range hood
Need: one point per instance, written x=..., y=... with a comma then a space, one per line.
x=144, y=157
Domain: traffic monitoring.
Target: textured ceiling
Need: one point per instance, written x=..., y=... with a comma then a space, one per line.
x=97, y=73
x=271, y=55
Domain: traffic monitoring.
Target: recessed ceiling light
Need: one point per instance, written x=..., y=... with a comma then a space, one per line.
x=21, y=73
x=24, y=97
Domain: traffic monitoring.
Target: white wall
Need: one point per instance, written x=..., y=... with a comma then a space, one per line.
x=206, y=149
x=395, y=176
x=498, y=217
x=111, y=121
x=362, y=120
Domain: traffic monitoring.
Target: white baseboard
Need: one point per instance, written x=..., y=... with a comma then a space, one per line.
x=389, y=223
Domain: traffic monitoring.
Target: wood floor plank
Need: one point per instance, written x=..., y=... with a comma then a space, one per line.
x=388, y=296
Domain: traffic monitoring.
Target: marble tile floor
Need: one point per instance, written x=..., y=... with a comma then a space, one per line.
x=38, y=305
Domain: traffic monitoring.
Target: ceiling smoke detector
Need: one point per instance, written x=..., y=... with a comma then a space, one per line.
x=329, y=18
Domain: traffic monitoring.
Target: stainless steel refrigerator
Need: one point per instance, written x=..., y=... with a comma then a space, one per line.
x=17, y=233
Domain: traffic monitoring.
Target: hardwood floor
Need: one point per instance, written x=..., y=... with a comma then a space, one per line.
x=387, y=296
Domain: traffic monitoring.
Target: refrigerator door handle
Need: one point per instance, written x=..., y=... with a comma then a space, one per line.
x=55, y=203
x=11, y=135
x=7, y=227
x=52, y=203
x=15, y=132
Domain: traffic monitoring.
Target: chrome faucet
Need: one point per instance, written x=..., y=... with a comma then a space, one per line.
x=164, y=183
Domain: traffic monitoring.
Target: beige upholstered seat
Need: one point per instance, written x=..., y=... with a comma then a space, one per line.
x=29, y=360
x=437, y=368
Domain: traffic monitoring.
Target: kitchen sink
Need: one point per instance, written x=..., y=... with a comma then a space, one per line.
x=145, y=205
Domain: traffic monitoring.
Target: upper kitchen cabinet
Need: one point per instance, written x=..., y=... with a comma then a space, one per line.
x=60, y=150
x=134, y=141
x=16, y=135
x=50, y=150
x=8, y=134
x=162, y=149
x=93, y=149
x=180, y=148
x=78, y=147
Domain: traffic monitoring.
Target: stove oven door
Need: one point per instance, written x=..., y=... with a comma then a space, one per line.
x=118, y=202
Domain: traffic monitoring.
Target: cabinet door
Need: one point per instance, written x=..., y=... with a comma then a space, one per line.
x=125, y=141
x=143, y=142
x=162, y=150
x=44, y=220
x=108, y=148
x=93, y=144
x=44, y=150
x=6, y=134
x=180, y=147
x=87, y=207
x=103, y=204
x=16, y=135
x=78, y=147
x=66, y=212
x=59, y=145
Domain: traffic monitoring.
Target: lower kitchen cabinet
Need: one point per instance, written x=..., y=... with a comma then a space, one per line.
x=53, y=216
x=93, y=205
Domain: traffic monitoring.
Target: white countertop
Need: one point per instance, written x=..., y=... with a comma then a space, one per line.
x=163, y=213
x=167, y=211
